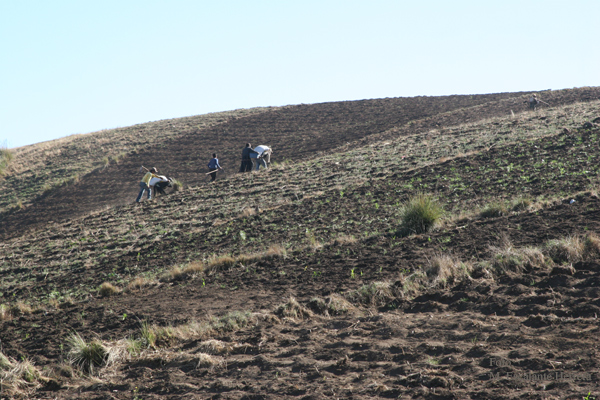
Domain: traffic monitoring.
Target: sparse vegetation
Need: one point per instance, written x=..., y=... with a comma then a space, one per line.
x=397, y=304
x=6, y=156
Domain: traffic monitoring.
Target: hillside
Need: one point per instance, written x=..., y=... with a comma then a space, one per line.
x=298, y=281
x=75, y=175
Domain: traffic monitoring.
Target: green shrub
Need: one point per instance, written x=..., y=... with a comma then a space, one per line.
x=420, y=214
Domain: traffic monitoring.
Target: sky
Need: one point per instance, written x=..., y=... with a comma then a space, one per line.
x=80, y=66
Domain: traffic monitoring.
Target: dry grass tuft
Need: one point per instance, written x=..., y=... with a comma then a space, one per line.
x=249, y=258
x=5, y=313
x=87, y=355
x=220, y=263
x=345, y=240
x=521, y=204
x=209, y=361
x=140, y=283
x=276, y=251
x=291, y=309
x=6, y=156
x=444, y=269
x=21, y=308
x=331, y=305
x=177, y=185
x=507, y=258
x=18, y=379
x=375, y=294
x=591, y=247
x=566, y=250
x=214, y=347
x=248, y=212
x=107, y=289
x=494, y=210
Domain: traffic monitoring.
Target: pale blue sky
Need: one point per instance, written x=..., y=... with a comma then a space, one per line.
x=80, y=66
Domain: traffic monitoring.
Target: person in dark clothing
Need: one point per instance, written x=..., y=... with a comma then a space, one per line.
x=213, y=165
x=533, y=102
x=246, y=161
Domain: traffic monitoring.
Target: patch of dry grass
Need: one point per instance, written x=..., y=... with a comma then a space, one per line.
x=293, y=310
x=444, y=269
x=374, y=294
x=107, y=289
x=21, y=308
x=331, y=305
x=565, y=250
x=345, y=240
x=214, y=347
x=275, y=251
x=5, y=313
x=494, y=210
x=218, y=263
x=209, y=361
x=6, y=157
x=591, y=247
x=18, y=378
x=507, y=259
x=140, y=283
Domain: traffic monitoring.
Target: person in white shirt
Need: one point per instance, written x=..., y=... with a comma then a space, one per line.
x=157, y=179
x=263, y=157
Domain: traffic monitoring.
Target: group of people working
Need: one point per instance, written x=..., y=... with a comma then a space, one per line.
x=252, y=159
x=152, y=182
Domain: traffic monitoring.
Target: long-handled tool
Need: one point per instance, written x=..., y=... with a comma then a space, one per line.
x=220, y=169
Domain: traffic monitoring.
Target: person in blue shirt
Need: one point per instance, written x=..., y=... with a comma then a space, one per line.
x=213, y=166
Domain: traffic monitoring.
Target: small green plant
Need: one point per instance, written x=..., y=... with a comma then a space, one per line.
x=148, y=336
x=433, y=361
